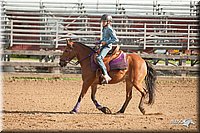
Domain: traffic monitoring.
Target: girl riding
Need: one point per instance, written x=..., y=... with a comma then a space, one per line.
x=105, y=44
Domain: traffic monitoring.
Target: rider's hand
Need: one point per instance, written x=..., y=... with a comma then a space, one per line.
x=97, y=43
x=103, y=43
x=97, y=46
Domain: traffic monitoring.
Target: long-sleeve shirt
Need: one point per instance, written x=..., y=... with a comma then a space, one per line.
x=109, y=35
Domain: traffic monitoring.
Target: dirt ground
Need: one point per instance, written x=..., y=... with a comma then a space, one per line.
x=43, y=104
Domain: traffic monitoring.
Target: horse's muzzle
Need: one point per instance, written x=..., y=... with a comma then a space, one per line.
x=62, y=63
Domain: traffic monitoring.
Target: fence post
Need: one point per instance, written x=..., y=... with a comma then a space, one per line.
x=11, y=33
x=145, y=34
x=188, y=38
x=57, y=34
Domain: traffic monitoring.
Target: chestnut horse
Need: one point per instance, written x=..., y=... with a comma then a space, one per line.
x=138, y=70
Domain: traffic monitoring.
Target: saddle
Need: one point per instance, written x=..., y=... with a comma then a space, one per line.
x=114, y=50
x=115, y=59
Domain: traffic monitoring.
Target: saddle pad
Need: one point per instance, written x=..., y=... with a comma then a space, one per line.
x=117, y=63
x=94, y=66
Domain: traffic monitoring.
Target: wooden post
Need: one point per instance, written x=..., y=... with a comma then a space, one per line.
x=180, y=61
x=57, y=68
x=166, y=60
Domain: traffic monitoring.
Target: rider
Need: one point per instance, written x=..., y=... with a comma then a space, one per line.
x=108, y=38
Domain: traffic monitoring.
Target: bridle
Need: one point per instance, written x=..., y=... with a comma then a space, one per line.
x=69, y=60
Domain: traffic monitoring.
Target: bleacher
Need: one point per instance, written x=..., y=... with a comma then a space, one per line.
x=40, y=28
x=45, y=24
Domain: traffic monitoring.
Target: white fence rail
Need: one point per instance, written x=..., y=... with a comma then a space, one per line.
x=138, y=26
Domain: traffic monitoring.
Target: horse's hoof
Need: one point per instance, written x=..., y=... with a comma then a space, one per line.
x=72, y=112
x=106, y=110
x=118, y=113
x=143, y=111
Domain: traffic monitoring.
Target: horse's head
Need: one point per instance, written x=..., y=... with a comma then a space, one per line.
x=68, y=53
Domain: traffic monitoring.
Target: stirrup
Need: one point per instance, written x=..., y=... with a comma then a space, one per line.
x=105, y=80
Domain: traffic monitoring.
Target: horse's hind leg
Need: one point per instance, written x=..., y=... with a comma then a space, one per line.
x=129, y=87
x=140, y=88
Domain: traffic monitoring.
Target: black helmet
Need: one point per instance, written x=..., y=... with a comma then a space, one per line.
x=106, y=17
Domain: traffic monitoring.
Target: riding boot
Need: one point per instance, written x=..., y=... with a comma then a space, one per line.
x=106, y=79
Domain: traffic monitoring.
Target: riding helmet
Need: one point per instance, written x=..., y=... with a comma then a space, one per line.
x=106, y=17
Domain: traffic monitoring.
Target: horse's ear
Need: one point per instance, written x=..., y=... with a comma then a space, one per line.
x=69, y=42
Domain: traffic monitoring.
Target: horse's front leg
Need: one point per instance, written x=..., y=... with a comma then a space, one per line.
x=98, y=106
x=85, y=87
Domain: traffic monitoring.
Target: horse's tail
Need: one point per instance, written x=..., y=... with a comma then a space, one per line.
x=150, y=81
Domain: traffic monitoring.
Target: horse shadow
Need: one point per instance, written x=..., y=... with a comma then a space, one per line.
x=32, y=112
x=65, y=112
x=42, y=112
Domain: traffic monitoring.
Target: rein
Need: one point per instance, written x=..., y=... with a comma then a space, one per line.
x=68, y=60
x=85, y=57
x=77, y=62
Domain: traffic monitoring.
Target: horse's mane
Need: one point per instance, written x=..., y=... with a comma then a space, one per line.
x=79, y=43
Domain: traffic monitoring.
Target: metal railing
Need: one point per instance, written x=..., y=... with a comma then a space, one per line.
x=158, y=26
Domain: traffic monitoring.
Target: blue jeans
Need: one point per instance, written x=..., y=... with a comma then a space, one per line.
x=103, y=52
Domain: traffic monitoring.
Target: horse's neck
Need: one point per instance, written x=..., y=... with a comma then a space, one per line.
x=83, y=52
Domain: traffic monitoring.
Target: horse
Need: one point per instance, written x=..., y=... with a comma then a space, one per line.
x=137, y=71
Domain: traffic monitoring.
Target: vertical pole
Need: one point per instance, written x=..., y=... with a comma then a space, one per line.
x=101, y=31
x=56, y=34
x=116, y=9
x=43, y=21
x=97, y=5
x=145, y=34
x=86, y=22
x=3, y=20
x=11, y=33
x=188, y=38
x=166, y=24
x=191, y=8
x=153, y=7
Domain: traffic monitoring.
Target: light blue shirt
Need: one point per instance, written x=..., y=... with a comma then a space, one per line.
x=109, y=35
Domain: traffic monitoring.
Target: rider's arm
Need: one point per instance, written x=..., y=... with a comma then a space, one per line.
x=113, y=36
